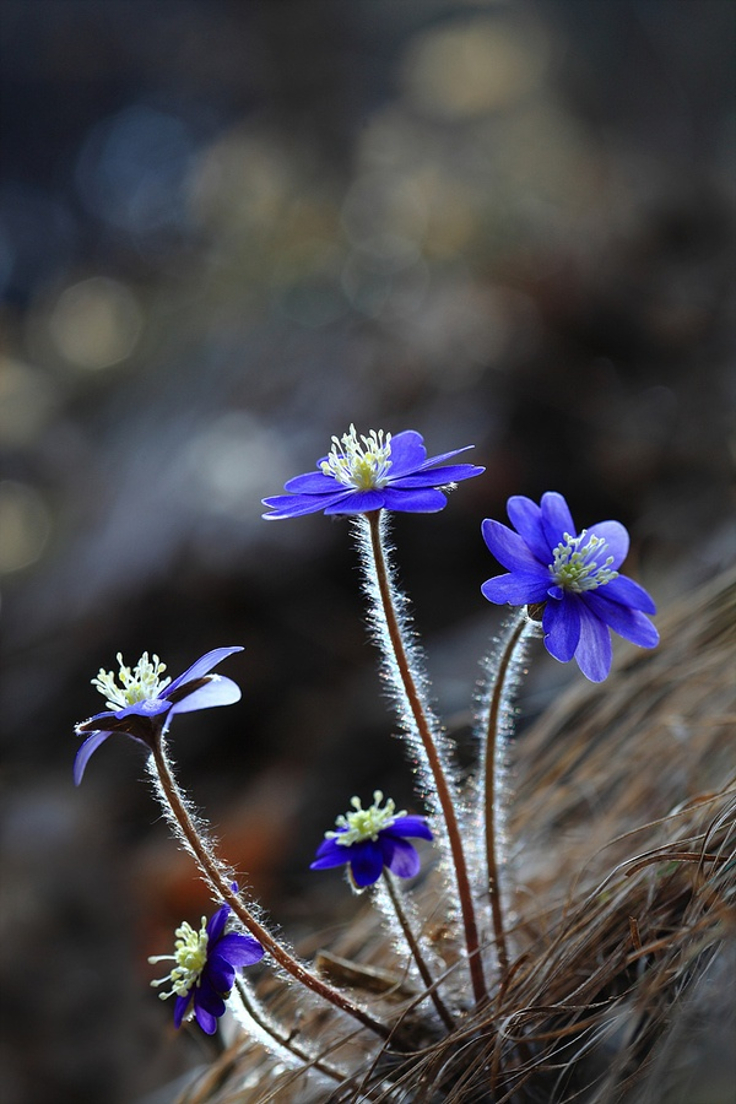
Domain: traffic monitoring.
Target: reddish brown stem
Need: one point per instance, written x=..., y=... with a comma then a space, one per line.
x=219, y=882
x=435, y=765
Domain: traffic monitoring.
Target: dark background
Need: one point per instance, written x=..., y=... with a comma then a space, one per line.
x=227, y=230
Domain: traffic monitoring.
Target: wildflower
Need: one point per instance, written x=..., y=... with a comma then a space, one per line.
x=369, y=839
x=142, y=703
x=373, y=472
x=575, y=575
x=206, y=963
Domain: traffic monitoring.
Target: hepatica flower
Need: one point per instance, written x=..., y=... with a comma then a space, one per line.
x=575, y=575
x=206, y=962
x=367, y=840
x=142, y=704
x=373, y=472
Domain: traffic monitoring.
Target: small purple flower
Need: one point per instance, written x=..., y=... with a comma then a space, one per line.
x=372, y=473
x=370, y=839
x=143, y=703
x=206, y=963
x=575, y=577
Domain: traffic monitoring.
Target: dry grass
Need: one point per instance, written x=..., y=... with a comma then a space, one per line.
x=623, y=913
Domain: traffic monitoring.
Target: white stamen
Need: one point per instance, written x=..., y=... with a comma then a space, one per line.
x=363, y=464
x=574, y=567
x=142, y=683
x=364, y=824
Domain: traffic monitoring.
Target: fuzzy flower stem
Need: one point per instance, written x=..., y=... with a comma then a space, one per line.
x=517, y=633
x=435, y=764
x=217, y=879
x=416, y=951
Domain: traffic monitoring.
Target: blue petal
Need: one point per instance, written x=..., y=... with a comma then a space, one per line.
x=526, y=518
x=516, y=589
x=366, y=862
x=313, y=483
x=400, y=857
x=631, y=624
x=202, y=667
x=561, y=624
x=87, y=749
x=219, y=974
x=628, y=593
x=330, y=853
x=240, y=949
x=288, y=506
x=216, y=924
x=556, y=518
x=616, y=537
x=508, y=547
x=180, y=1007
x=437, y=477
x=408, y=453
x=410, y=826
x=419, y=501
x=218, y=691
x=356, y=502
x=435, y=461
x=593, y=653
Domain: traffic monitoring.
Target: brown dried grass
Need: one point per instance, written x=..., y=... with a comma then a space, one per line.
x=623, y=911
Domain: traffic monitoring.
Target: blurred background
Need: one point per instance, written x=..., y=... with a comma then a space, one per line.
x=227, y=230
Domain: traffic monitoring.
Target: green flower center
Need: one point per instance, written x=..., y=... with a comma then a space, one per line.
x=359, y=463
x=576, y=563
x=190, y=956
x=364, y=824
x=142, y=682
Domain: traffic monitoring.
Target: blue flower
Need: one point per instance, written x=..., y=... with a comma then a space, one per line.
x=206, y=963
x=372, y=473
x=575, y=575
x=143, y=703
x=369, y=839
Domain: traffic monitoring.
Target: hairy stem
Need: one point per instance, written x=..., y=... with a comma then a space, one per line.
x=519, y=630
x=423, y=729
x=220, y=882
x=416, y=951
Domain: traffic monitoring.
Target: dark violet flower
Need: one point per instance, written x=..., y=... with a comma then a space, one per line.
x=143, y=703
x=575, y=575
x=372, y=473
x=369, y=839
x=206, y=963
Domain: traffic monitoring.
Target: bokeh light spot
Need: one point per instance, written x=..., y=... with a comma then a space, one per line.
x=96, y=323
x=24, y=525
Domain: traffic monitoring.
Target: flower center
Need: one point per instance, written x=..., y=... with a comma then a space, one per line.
x=137, y=685
x=363, y=464
x=575, y=564
x=364, y=824
x=190, y=956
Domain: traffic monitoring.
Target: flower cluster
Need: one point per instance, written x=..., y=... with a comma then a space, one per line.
x=367, y=840
x=569, y=579
x=373, y=472
x=575, y=575
x=143, y=705
x=206, y=963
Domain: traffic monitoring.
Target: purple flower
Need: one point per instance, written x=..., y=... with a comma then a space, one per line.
x=369, y=839
x=206, y=963
x=575, y=576
x=143, y=703
x=372, y=473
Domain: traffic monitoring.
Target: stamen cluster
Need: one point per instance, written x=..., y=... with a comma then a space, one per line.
x=574, y=567
x=190, y=956
x=364, y=824
x=363, y=464
x=141, y=684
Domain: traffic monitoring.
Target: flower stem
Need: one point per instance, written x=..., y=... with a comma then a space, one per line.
x=433, y=757
x=519, y=630
x=416, y=951
x=220, y=882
